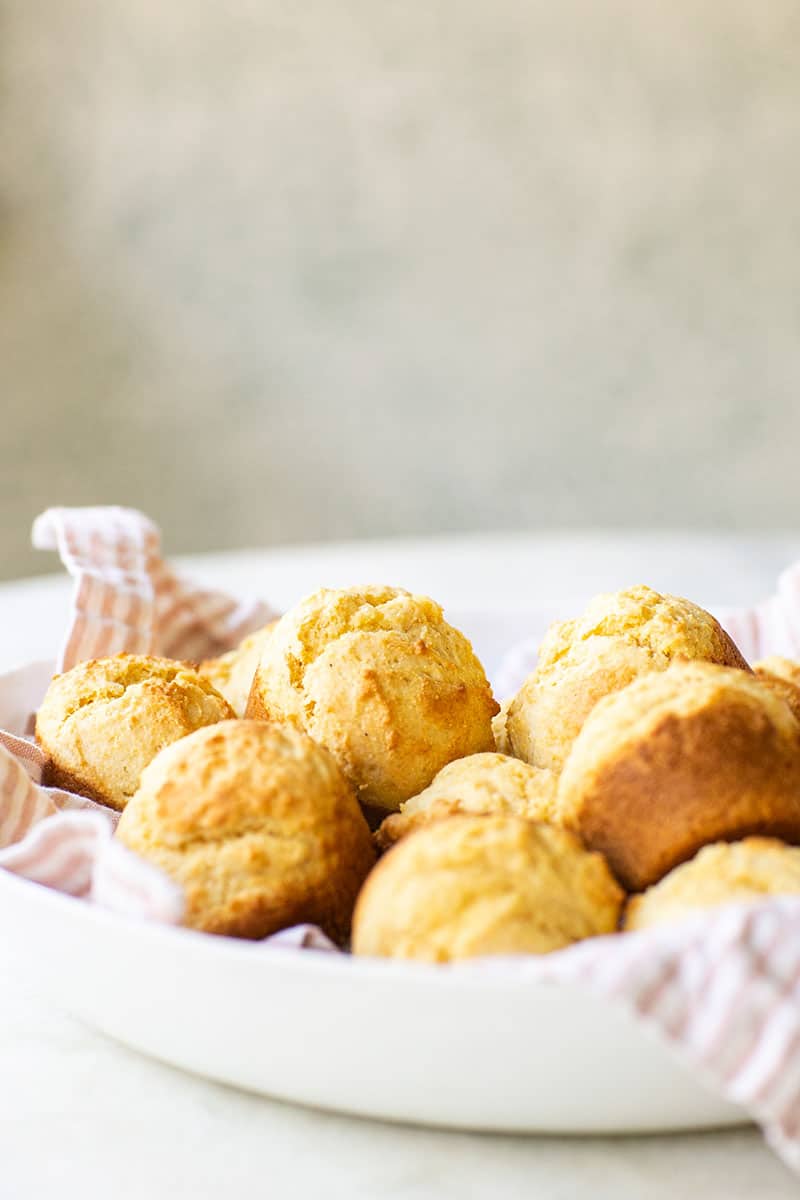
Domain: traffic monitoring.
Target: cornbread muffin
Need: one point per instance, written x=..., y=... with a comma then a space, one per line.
x=697, y=753
x=258, y=825
x=725, y=873
x=783, y=676
x=477, y=885
x=619, y=637
x=232, y=673
x=102, y=722
x=379, y=677
x=779, y=668
x=481, y=783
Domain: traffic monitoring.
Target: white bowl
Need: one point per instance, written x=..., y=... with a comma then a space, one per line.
x=461, y=1046
x=464, y=1046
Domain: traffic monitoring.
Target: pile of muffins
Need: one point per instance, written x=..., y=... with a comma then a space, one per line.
x=349, y=767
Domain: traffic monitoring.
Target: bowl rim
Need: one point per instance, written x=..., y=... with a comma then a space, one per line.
x=491, y=972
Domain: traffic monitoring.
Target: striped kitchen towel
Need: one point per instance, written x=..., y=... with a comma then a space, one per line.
x=723, y=989
x=73, y=850
x=126, y=599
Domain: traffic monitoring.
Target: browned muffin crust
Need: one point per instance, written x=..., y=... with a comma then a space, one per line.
x=258, y=825
x=698, y=753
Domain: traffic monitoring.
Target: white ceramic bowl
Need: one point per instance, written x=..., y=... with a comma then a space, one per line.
x=461, y=1046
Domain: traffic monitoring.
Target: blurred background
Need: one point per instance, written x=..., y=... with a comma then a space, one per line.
x=279, y=272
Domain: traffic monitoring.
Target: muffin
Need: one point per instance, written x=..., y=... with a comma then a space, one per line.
x=258, y=825
x=379, y=677
x=619, y=637
x=471, y=886
x=725, y=873
x=232, y=673
x=104, y=720
x=481, y=783
x=783, y=676
x=697, y=753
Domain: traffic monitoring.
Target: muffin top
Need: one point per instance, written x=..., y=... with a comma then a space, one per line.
x=693, y=754
x=480, y=783
x=258, y=824
x=664, y=625
x=104, y=720
x=470, y=886
x=232, y=673
x=722, y=873
x=619, y=637
x=378, y=676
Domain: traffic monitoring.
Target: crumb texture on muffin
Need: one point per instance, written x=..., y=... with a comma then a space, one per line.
x=232, y=673
x=502, y=742
x=104, y=720
x=619, y=637
x=779, y=668
x=697, y=753
x=480, y=783
x=722, y=873
x=258, y=825
x=378, y=676
x=471, y=886
x=782, y=675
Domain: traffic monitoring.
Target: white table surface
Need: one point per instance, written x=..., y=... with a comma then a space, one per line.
x=78, y=1111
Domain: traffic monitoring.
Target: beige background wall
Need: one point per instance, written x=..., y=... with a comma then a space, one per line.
x=277, y=271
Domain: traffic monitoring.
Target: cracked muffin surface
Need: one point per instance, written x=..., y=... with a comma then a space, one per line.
x=104, y=720
x=620, y=636
x=257, y=824
x=380, y=678
x=480, y=783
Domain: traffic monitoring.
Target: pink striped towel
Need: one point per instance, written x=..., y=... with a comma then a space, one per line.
x=126, y=599
x=723, y=988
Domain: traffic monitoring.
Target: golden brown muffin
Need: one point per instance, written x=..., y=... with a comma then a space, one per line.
x=475, y=885
x=783, y=676
x=102, y=722
x=694, y=754
x=620, y=636
x=232, y=673
x=258, y=825
x=725, y=873
x=379, y=677
x=480, y=783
